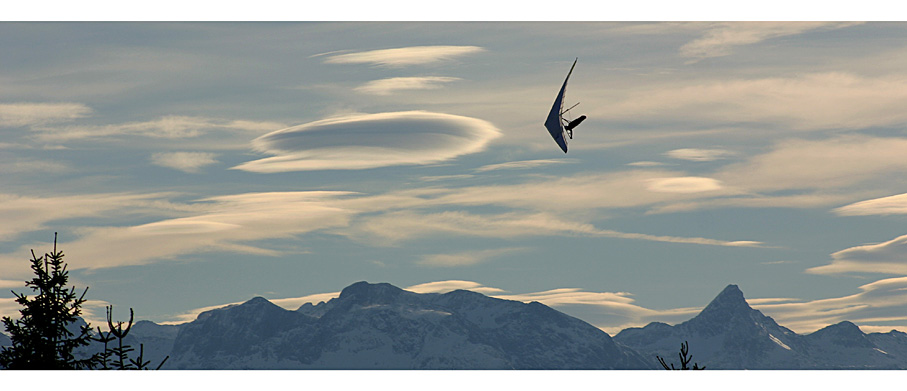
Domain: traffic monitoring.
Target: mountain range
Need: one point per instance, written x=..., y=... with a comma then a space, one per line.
x=380, y=326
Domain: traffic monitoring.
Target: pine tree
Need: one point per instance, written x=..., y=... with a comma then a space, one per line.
x=41, y=338
x=685, y=359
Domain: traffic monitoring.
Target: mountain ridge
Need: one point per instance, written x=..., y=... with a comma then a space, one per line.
x=381, y=326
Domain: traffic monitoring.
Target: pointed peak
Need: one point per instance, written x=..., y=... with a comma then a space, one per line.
x=732, y=290
x=729, y=298
x=728, y=304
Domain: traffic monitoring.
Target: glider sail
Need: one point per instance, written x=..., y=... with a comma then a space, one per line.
x=555, y=121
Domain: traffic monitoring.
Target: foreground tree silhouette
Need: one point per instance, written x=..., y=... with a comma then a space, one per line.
x=120, y=353
x=684, y=359
x=41, y=337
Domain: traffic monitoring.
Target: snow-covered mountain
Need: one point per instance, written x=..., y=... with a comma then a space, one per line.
x=729, y=334
x=380, y=326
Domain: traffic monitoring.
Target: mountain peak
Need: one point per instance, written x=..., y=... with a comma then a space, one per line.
x=363, y=292
x=730, y=299
x=729, y=307
x=257, y=300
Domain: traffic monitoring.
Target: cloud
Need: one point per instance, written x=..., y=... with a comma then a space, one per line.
x=364, y=141
x=169, y=127
x=434, y=178
x=896, y=204
x=819, y=164
x=465, y=258
x=805, y=102
x=6, y=284
x=29, y=166
x=721, y=38
x=220, y=224
x=189, y=162
x=394, y=84
x=583, y=193
x=808, y=200
x=684, y=185
x=698, y=155
x=523, y=164
x=452, y=285
x=889, y=257
x=33, y=213
x=646, y=164
x=878, y=307
x=394, y=227
x=30, y=114
x=401, y=57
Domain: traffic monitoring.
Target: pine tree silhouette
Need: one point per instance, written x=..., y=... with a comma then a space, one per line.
x=685, y=359
x=41, y=338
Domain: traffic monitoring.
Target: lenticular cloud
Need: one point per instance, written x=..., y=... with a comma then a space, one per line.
x=362, y=141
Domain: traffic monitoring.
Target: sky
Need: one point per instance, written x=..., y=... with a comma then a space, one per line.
x=187, y=166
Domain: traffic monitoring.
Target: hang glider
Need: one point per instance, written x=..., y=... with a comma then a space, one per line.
x=562, y=130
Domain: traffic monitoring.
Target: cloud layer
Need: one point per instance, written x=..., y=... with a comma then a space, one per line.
x=401, y=57
x=720, y=39
x=363, y=141
x=892, y=205
x=394, y=84
x=30, y=114
x=803, y=102
x=698, y=155
x=168, y=127
x=889, y=257
x=190, y=162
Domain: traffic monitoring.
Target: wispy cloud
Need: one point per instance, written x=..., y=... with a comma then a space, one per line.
x=524, y=164
x=31, y=114
x=395, y=84
x=684, y=185
x=32, y=213
x=646, y=164
x=887, y=257
x=819, y=164
x=808, y=200
x=363, y=141
x=5, y=284
x=400, y=57
x=465, y=258
x=896, y=204
x=720, y=39
x=698, y=155
x=452, y=285
x=218, y=224
x=169, y=127
x=875, y=308
x=588, y=192
x=394, y=227
x=34, y=166
x=190, y=162
x=806, y=102
x=435, y=178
